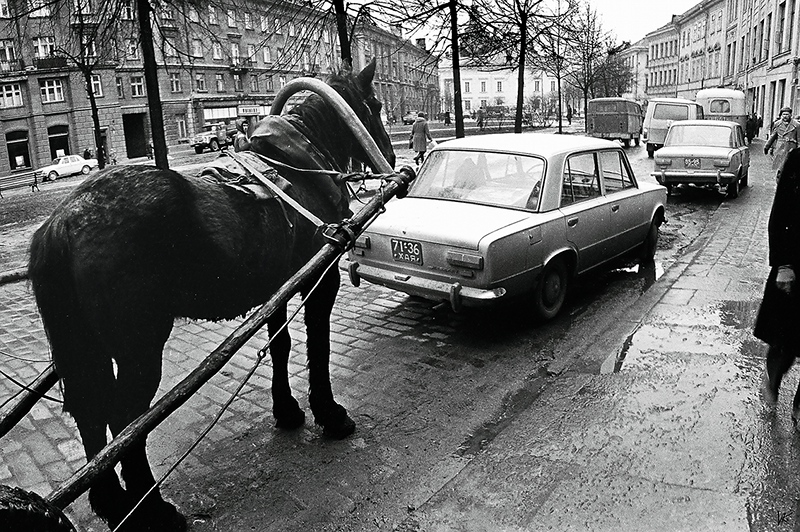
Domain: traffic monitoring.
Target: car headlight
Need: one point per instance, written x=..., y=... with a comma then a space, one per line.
x=465, y=260
x=722, y=163
x=663, y=162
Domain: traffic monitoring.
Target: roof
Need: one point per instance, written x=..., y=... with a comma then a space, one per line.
x=720, y=93
x=544, y=144
x=672, y=100
x=727, y=123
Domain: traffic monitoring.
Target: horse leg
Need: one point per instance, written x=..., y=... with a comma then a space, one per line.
x=138, y=376
x=327, y=412
x=287, y=413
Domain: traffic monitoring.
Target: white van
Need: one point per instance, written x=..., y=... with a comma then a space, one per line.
x=723, y=104
x=661, y=112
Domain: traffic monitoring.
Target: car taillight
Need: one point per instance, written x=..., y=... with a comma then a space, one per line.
x=722, y=163
x=465, y=260
x=663, y=162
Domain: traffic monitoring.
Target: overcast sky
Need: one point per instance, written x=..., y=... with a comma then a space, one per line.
x=630, y=20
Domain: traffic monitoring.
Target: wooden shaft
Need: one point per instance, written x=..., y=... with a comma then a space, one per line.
x=11, y=414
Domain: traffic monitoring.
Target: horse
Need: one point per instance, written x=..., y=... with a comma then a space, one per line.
x=134, y=247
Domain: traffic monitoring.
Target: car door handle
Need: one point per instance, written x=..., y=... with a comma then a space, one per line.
x=572, y=222
x=615, y=208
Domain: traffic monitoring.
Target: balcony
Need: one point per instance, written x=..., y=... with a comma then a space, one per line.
x=52, y=61
x=239, y=65
x=16, y=65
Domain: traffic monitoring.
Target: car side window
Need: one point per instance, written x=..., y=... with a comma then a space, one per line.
x=581, y=179
x=615, y=173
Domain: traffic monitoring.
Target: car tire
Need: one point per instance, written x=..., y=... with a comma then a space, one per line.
x=213, y=145
x=85, y=170
x=650, y=151
x=647, y=251
x=733, y=189
x=52, y=176
x=551, y=291
x=745, y=179
x=626, y=143
x=198, y=149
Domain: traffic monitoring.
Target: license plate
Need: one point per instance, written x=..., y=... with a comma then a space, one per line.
x=406, y=251
x=691, y=163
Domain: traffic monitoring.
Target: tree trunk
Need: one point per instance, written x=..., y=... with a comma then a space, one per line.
x=98, y=139
x=151, y=82
x=344, y=37
x=459, y=108
x=523, y=50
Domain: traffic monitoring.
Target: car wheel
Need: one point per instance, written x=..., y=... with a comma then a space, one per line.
x=626, y=143
x=647, y=252
x=85, y=170
x=744, y=182
x=198, y=149
x=550, y=293
x=213, y=145
x=52, y=176
x=650, y=151
x=733, y=189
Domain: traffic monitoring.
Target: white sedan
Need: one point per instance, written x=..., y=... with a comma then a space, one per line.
x=66, y=165
x=495, y=217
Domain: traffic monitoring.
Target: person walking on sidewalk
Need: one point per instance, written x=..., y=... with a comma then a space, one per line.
x=785, y=136
x=778, y=320
x=420, y=135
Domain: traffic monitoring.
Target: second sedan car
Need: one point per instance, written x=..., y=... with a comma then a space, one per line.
x=495, y=217
x=65, y=166
x=708, y=153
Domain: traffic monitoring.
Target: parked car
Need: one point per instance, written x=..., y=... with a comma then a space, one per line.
x=709, y=153
x=614, y=118
x=410, y=117
x=213, y=137
x=66, y=165
x=498, y=217
x=660, y=114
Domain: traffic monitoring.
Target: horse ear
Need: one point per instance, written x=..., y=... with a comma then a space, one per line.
x=365, y=76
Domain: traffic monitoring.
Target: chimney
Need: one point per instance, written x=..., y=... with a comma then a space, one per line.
x=421, y=43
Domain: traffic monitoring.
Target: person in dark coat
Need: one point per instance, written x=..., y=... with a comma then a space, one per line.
x=751, y=127
x=778, y=320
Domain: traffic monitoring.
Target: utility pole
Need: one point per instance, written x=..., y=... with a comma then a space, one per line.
x=151, y=82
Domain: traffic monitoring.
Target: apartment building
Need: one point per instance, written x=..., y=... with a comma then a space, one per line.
x=214, y=64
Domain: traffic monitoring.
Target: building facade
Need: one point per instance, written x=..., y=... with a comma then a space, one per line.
x=635, y=58
x=214, y=65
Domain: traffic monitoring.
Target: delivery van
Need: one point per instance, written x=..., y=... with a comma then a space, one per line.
x=661, y=113
x=723, y=104
x=614, y=119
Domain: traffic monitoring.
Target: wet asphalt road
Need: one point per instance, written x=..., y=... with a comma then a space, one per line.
x=458, y=417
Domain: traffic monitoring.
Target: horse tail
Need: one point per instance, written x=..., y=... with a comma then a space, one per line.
x=51, y=276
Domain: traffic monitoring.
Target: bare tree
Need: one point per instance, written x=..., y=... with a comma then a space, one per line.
x=588, y=43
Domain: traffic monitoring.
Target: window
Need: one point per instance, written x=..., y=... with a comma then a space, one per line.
x=88, y=46
x=263, y=22
x=197, y=48
x=97, y=86
x=615, y=173
x=267, y=55
x=466, y=86
x=7, y=53
x=180, y=122
x=248, y=21
x=4, y=11
x=219, y=79
x=200, y=82
x=127, y=10
x=174, y=82
x=235, y=53
x=499, y=86
x=281, y=81
x=251, y=53
x=132, y=51
x=216, y=50
x=291, y=29
x=44, y=47
x=278, y=29
x=536, y=86
x=581, y=179
x=231, y=19
x=253, y=83
x=212, y=15
x=52, y=90
x=270, y=84
x=237, y=83
x=10, y=95
x=483, y=86
x=120, y=89
x=552, y=85
x=137, y=86
x=169, y=48
x=39, y=8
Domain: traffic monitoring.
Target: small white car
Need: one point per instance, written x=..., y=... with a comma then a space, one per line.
x=495, y=217
x=65, y=166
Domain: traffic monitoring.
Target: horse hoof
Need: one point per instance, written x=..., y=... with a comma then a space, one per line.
x=337, y=424
x=289, y=419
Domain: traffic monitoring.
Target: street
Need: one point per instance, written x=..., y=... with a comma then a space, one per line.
x=635, y=409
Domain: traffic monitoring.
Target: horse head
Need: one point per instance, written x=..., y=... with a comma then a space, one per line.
x=359, y=93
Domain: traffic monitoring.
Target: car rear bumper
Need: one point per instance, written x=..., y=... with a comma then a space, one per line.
x=673, y=177
x=455, y=293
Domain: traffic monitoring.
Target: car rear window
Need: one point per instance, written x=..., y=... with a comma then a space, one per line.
x=502, y=179
x=671, y=111
x=699, y=135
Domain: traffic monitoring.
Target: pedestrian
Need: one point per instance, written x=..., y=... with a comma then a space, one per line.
x=759, y=125
x=447, y=118
x=240, y=141
x=481, y=116
x=569, y=114
x=87, y=154
x=779, y=315
x=785, y=137
x=751, y=126
x=420, y=135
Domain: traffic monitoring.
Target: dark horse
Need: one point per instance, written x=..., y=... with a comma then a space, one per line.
x=135, y=247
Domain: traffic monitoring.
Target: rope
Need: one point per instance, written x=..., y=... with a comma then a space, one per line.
x=26, y=388
x=261, y=354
